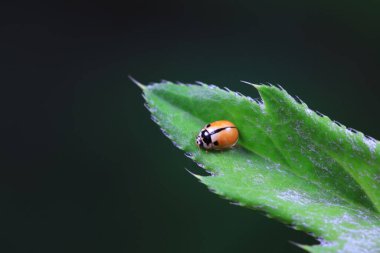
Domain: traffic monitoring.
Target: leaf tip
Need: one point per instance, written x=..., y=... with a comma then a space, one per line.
x=195, y=175
x=257, y=86
x=302, y=246
x=140, y=85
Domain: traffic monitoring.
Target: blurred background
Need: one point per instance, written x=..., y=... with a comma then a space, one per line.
x=84, y=169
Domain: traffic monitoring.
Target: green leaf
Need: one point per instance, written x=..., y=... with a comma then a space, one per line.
x=297, y=166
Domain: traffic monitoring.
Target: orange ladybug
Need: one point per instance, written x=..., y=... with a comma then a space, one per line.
x=218, y=135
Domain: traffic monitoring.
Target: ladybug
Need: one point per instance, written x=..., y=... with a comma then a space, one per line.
x=218, y=135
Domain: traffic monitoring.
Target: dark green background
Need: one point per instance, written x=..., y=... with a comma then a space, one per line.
x=84, y=169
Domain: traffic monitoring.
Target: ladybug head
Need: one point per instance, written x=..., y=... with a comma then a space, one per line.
x=200, y=142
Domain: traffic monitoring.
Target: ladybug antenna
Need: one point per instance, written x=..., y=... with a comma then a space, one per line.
x=140, y=85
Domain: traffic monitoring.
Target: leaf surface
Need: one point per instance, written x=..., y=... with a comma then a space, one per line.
x=297, y=166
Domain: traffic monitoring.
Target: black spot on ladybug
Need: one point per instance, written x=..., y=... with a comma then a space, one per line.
x=220, y=130
x=216, y=143
x=206, y=137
